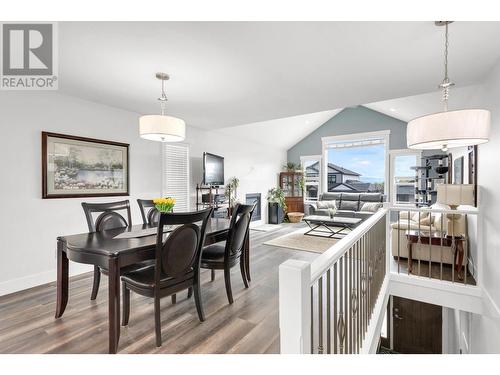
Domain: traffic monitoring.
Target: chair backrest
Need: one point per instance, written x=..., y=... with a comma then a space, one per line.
x=150, y=215
x=180, y=253
x=238, y=228
x=108, y=217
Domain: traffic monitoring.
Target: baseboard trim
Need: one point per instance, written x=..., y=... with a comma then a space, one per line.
x=27, y=282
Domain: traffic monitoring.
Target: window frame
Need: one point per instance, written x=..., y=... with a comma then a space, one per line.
x=384, y=135
x=392, y=163
x=304, y=159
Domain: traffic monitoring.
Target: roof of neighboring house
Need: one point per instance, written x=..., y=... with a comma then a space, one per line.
x=334, y=167
x=351, y=185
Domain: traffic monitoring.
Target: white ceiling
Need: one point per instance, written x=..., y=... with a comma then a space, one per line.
x=414, y=106
x=232, y=73
x=282, y=133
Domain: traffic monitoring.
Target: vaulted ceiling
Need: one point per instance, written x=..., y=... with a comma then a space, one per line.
x=232, y=73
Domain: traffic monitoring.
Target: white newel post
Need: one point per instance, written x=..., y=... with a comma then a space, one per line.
x=295, y=307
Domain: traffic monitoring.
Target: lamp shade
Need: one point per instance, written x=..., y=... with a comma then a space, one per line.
x=459, y=128
x=162, y=128
x=455, y=194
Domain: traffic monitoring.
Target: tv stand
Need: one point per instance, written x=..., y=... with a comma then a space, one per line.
x=213, y=196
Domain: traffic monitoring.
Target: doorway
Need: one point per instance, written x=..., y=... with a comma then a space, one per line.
x=417, y=327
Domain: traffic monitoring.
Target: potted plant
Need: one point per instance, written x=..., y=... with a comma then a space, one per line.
x=291, y=167
x=231, y=193
x=164, y=205
x=276, y=206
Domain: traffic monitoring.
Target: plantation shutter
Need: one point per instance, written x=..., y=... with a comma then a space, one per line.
x=175, y=163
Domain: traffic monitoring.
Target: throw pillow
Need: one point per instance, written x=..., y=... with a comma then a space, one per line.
x=371, y=206
x=325, y=205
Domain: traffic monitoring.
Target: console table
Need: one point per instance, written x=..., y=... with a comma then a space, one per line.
x=436, y=239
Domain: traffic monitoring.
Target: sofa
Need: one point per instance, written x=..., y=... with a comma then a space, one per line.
x=428, y=222
x=347, y=204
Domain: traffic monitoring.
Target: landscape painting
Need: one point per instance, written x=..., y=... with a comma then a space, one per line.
x=83, y=167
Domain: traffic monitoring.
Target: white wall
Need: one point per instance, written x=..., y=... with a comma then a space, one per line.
x=485, y=331
x=29, y=225
x=256, y=165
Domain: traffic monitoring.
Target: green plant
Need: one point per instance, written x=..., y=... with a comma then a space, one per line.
x=291, y=167
x=231, y=190
x=164, y=204
x=276, y=195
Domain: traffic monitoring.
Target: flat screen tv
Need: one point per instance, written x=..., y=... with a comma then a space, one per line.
x=213, y=169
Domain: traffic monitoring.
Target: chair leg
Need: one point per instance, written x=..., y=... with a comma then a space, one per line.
x=227, y=279
x=95, y=285
x=157, y=321
x=243, y=271
x=174, y=299
x=126, y=304
x=190, y=292
x=212, y=275
x=198, y=301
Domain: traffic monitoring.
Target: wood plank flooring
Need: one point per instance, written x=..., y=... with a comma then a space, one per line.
x=250, y=325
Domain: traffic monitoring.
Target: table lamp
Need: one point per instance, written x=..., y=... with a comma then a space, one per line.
x=455, y=195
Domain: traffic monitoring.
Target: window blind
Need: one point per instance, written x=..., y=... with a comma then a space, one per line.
x=175, y=176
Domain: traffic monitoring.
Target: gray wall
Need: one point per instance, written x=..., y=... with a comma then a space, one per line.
x=349, y=121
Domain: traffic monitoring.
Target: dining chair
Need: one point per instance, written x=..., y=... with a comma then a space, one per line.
x=150, y=215
x=224, y=256
x=176, y=266
x=105, y=216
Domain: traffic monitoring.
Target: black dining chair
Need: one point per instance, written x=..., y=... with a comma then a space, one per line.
x=176, y=267
x=225, y=255
x=150, y=215
x=105, y=216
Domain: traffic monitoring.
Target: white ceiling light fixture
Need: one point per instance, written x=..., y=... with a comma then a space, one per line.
x=448, y=129
x=162, y=128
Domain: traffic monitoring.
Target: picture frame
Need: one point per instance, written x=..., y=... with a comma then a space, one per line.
x=76, y=167
x=458, y=170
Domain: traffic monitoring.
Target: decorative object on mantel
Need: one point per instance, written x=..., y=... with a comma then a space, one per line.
x=74, y=167
x=164, y=205
x=161, y=127
x=447, y=129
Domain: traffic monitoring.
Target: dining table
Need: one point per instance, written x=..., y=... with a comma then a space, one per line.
x=117, y=248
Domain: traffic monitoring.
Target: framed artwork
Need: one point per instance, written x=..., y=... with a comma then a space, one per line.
x=472, y=169
x=458, y=170
x=75, y=167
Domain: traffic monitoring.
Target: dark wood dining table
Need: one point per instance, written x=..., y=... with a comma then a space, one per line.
x=105, y=250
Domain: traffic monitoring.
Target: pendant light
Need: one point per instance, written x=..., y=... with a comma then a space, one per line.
x=162, y=128
x=448, y=129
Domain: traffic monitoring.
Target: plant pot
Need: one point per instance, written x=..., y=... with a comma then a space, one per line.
x=275, y=214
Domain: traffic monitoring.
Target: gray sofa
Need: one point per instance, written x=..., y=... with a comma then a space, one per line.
x=348, y=204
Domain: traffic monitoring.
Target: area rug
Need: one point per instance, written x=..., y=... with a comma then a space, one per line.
x=266, y=227
x=299, y=241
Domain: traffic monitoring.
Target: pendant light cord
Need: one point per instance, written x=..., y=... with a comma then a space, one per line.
x=163, y=98
x=446, y=84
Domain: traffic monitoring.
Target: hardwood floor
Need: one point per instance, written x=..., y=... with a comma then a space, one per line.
x=250, y=325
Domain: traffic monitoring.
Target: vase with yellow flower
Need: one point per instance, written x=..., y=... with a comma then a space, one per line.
x=164, y=205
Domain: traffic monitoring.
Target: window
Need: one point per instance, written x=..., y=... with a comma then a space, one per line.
x=175, y=179
x=311, y=165
x=402, y=176
x=356, y=162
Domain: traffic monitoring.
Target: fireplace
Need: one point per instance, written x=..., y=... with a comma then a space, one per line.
x=251, y=199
